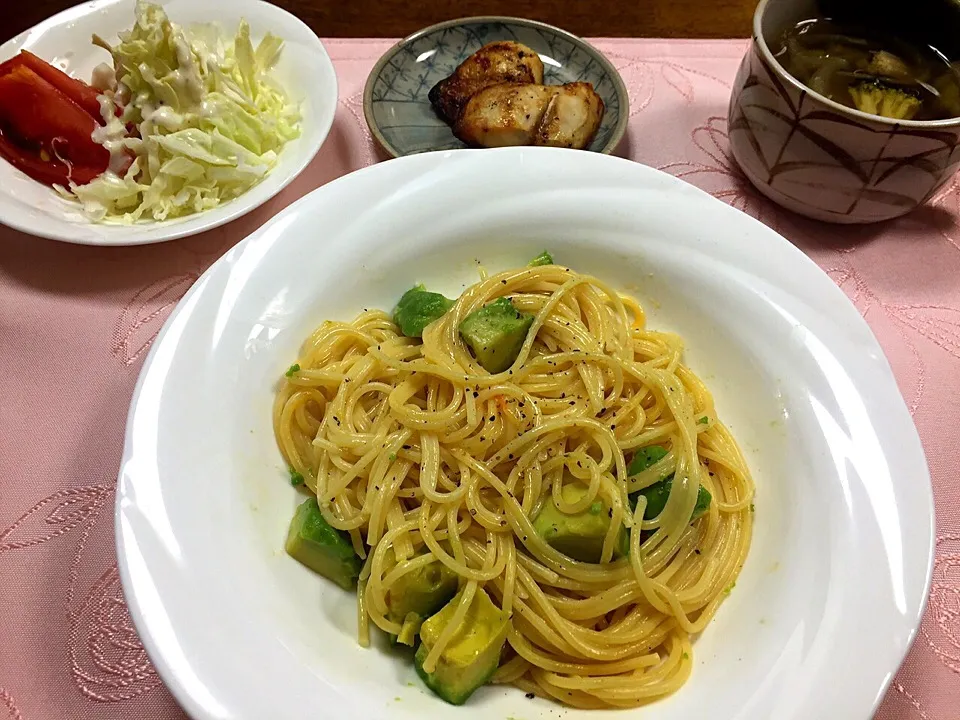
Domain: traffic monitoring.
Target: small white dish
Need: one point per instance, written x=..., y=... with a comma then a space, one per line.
x=836, y=580
x=304, y=69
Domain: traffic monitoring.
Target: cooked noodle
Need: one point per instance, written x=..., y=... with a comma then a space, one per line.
x=423, y=456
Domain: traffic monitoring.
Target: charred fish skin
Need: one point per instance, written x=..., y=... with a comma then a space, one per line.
x=494, y=64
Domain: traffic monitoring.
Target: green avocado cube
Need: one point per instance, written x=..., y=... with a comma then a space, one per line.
x=419, y=594
x=322, y=548
x=658, y=493
x=580, y=535
x=472, y=655
x=495, y=334
x=543, y=258
x=646, y=457
x=418, y=308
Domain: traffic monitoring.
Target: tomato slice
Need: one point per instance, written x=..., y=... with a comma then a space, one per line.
x=77, y=90
x=50, y=171
x=33, y=110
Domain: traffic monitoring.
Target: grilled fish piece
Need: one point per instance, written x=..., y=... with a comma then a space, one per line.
x=525, y=114
x=572, y=118
x=504, y=115
x=493, y=64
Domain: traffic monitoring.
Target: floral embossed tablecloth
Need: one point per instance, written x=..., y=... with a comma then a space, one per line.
x=76, y=322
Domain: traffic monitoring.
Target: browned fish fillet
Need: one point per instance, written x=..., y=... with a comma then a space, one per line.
x=572, y=118
x=525, y=114
x=493, y=64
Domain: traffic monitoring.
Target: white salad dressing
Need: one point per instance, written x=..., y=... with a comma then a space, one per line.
x=112, y=135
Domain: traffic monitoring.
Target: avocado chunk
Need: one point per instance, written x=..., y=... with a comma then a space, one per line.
x=418, y=308
x=543, y=258
x=495, y=334
x=419, y=594
x=646, y=457
x=658, y=493
x=581, y=535
x=324, y=549
x=472, y=655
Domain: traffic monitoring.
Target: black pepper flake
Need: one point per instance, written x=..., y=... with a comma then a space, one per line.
x=503, y=282
x=510, y=456
x=493, y=418
x=529, y=696
x=503, y=523
x=711, y=473
x=573, y=402
x=406, y=447
x=482, y=438
x=473, y=511
x=610, y=513
x=697, y=551
x=525, y=539
x=613, y=426
x=476, y=394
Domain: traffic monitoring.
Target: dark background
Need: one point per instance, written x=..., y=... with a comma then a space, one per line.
x=397, y=18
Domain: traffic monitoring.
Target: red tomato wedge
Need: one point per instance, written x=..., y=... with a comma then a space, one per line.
x=48, y=172
x=78, y=91
x=47, y=128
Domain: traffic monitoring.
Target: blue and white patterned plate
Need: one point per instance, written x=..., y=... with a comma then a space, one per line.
x=395, y=97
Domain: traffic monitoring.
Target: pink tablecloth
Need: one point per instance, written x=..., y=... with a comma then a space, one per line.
x=75, y=324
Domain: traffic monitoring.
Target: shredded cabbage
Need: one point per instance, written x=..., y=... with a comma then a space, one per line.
x=210, y=119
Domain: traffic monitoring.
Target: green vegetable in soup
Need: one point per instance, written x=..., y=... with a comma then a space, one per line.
x=495, y=334
x=877, y=98
x=418, y=308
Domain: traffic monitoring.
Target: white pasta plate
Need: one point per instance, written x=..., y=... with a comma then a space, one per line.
x=304, y=70
x=835, y=582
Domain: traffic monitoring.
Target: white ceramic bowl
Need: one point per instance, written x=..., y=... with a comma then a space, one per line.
x=304, y=69
x=835, y=583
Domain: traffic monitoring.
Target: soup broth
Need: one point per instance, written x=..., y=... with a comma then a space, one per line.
x=871, y=72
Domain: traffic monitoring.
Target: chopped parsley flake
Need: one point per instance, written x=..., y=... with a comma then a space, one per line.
x=295, y=478
x=292, y=369
x=703, y=421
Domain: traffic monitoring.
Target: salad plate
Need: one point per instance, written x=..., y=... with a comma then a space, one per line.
x=836, y=578
x=303, y=70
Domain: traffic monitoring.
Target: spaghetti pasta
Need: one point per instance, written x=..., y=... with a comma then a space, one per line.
x=424, y=457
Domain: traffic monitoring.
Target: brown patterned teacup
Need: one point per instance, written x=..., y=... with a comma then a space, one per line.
x=818, y=157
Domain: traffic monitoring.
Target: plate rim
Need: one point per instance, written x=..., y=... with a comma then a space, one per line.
x=619, y=130
x=431, y=160
x=177, y=229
